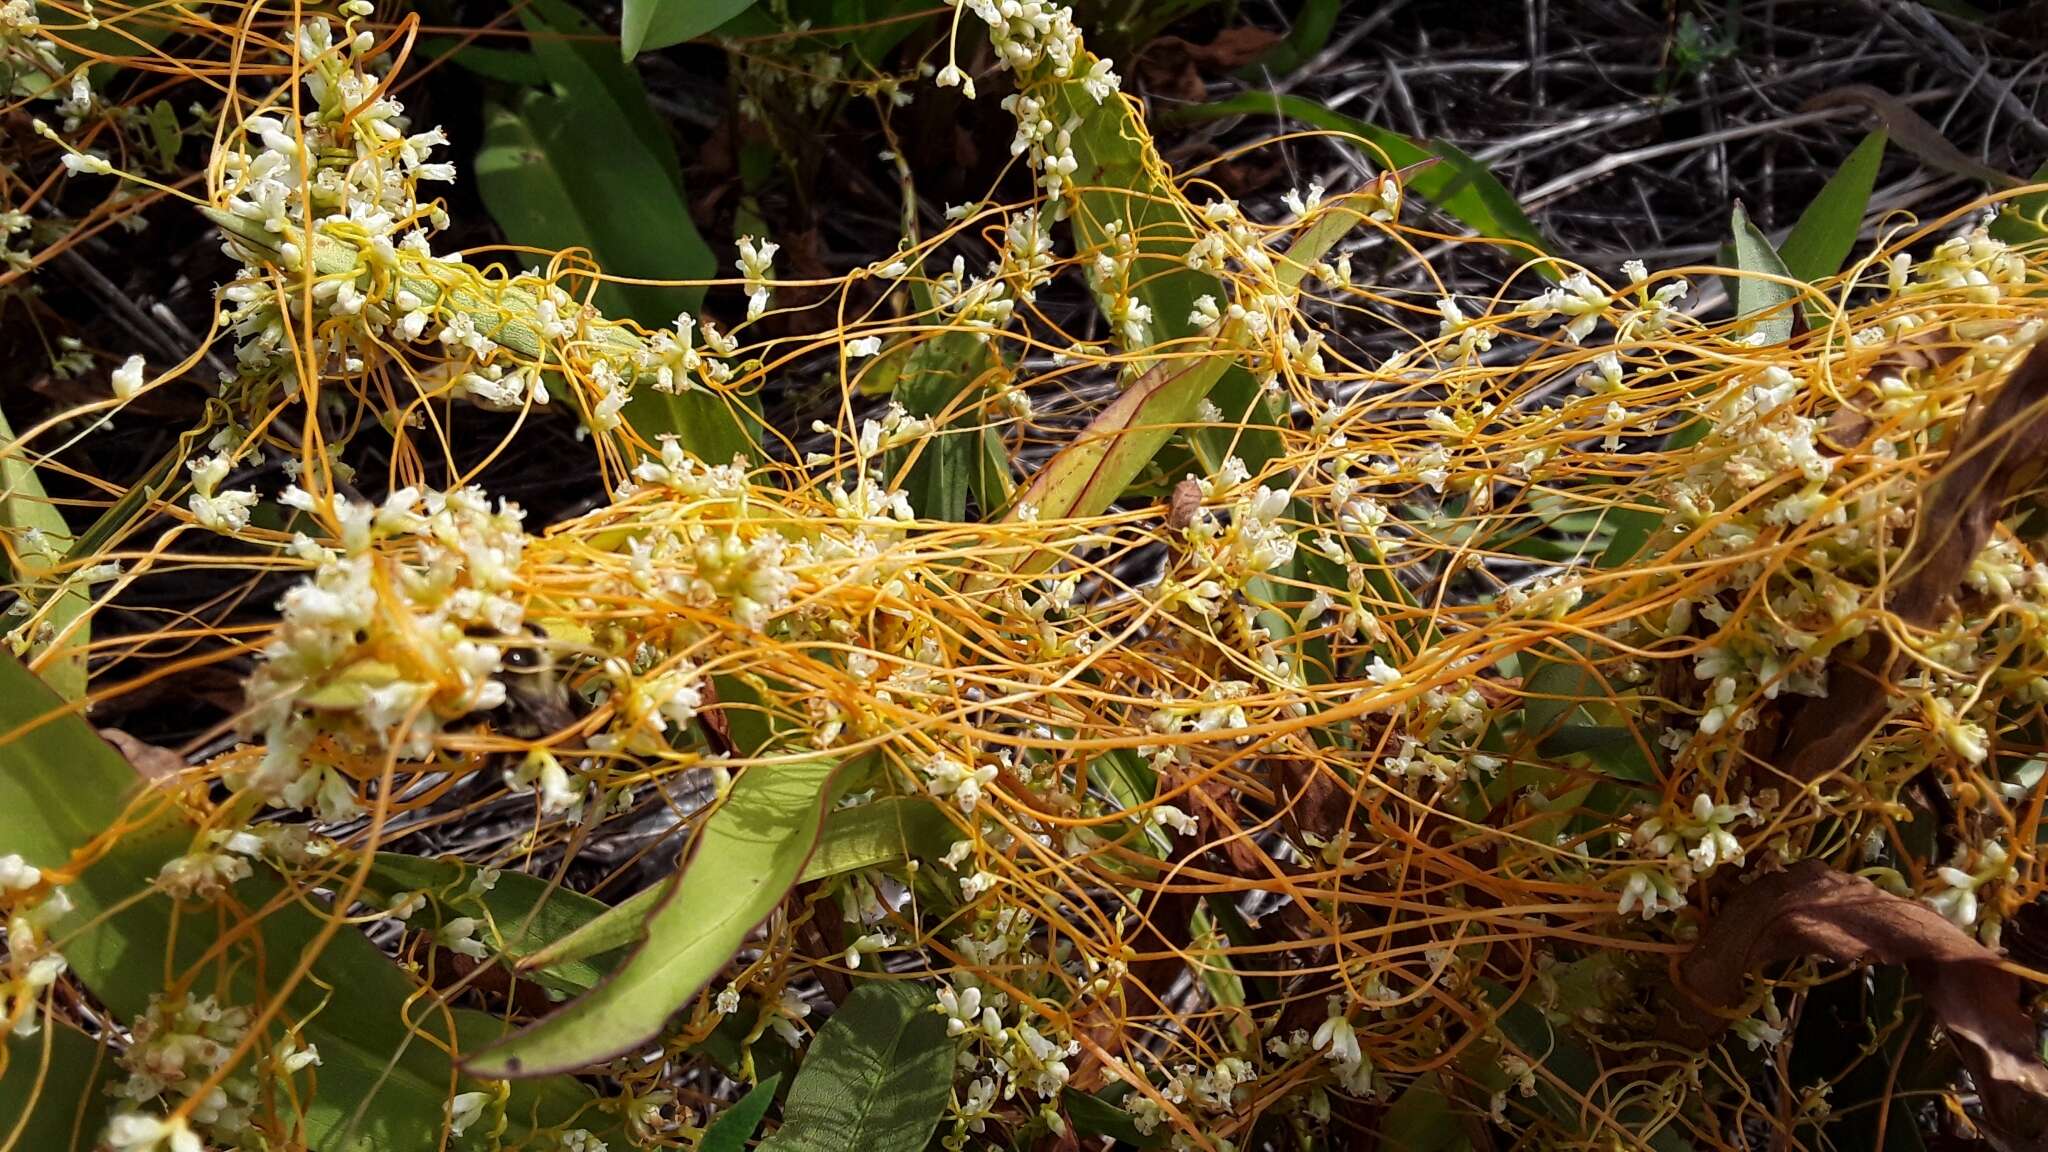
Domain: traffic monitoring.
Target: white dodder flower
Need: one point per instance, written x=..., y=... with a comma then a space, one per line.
x=17, y=874
x=127, y=379
x=756, y=265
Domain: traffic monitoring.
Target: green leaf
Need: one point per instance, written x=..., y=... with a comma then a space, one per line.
x=947, y=373
x=1421, y=1120
x=533, y=173
x=735, y=1126
x=37, y=540
x=1311, y=32
x=881, y=832
x=1560, y=1054
x=384, y=1079
x=877, y=1078
x=749, y=852
x=163, y=133
x=1132, y=783
x=1767, y=299
x=1118, y=179
x=1460, y=185
x=1096, y=1116
x=575, y=171
x=521, y=68
x=871, y=835
x=649, y=24
x=590, y=166
x=116, y=519
x=521, y=913
x=1098, y=465
x=53, y=1092
x=1557, y=696
x=581, y=67
x=1826, y=231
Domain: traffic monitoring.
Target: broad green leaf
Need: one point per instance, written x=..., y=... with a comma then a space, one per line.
x=1132, y=784
x=950, y=372
x=53, y=1090
x=1769, y=300
x=1421, y=1120
x=1118, y=182
x=594, y=169
x=1097, y=1116
x=879, y=833
x=1561, y=1055
x=384, y=1079
x=589, y=166
x=1461, y=186
x=575, y=60
x=749, y=852
x=735, y=1126
x=1100, y=463
x=521, y=914
x=37, y=540
x=1094, y=468
x=163, y=133
x=871, y=835
x=877, y=1077
x=1565, y=706
x=649, y=24
x=1826, y=231
x=529, y=173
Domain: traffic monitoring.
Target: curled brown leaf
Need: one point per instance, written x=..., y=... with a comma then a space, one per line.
x=2006, y=441
x=150, y=762
x=1175, y=67
x=1810, y=910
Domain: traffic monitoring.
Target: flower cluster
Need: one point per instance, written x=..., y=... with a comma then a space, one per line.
x=402, y=627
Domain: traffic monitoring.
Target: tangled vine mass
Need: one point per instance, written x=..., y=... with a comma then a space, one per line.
x=1519, y=740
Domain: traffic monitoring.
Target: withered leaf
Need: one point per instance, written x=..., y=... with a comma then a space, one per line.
x=711, y=714
x=2001, y=445
x=1172, y=66
x=1812, y=910
x=150, y=762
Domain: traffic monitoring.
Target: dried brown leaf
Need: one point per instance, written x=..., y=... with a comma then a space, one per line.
x=1185, y=505
x=1810, y=910
x=1171, y=66
x=2003, y=443
x=150, y=762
